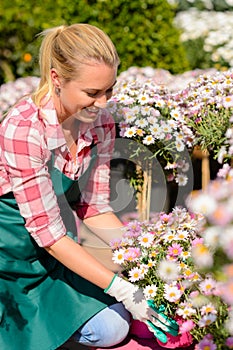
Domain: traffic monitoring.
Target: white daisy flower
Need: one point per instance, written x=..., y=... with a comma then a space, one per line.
x=130, y=132
x=185, y=254
x=208, y=309
x=175, y=113
x=172, y=123
x=135, y=274
x=168, y=270
x=169, y=237
x=179, y=145
x=212, y=236
x=166, y=128
x=226, y=239
x=135, y=109
x=206, y=320
x=229, y=325
x=186, y=312
x=172, y=293
x=112, y=106
x=202, y=256
x=155, y=129
x=145, y=110
x=161, y=135
x=142, y=123
x=179, y=136
x=124, y=98
x=227, y=101
x=148, y=140
x=150, y=291
x=151, y=120
x=160, y=103
x=130, y=117
x=181, y=179
x=203, y=203
x=182, y=164
x=143, y=99
x=146, y=240
x=118, y=256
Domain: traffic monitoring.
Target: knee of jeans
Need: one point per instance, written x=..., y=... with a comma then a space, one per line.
x=119, y=325
x=108, y=328
x=114, y=331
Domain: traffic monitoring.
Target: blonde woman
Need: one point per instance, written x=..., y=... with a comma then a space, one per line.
x=55, y=150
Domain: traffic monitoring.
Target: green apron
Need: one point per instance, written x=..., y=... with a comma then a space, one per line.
x=42, y=303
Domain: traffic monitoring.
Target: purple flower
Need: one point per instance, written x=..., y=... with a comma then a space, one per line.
x=207, y=343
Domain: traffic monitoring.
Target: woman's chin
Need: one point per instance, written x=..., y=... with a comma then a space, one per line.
x=87, y=116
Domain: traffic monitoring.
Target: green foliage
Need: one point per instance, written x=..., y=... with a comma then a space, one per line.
x=142, y=31
x=147, y=38
x=211, y=130
x=196, y=55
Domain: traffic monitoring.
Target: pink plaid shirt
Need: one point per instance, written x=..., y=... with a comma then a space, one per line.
x=27, y=137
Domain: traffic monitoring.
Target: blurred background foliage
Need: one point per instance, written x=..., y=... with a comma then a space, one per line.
x=175, y=35
x=142, y=31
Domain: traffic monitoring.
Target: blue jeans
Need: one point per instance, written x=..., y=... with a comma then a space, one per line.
x=107, y=328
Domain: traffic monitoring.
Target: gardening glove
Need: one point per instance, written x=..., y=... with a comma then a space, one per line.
x=145, y=311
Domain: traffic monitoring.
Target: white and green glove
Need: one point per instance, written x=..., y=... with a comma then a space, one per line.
x=133, y=299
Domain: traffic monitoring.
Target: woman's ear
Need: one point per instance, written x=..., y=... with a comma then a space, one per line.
x=55, y=78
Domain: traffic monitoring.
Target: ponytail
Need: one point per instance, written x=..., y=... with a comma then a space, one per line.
x=67, y=49
x=45, y=61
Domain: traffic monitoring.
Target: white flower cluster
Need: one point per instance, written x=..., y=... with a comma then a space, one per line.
x=214, y=27
x=12, y=91
x=148, y=116
x=207, y=4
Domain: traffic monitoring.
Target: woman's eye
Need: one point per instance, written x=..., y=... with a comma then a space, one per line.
x=92, y=94
x=95, y=94
x=110, y=91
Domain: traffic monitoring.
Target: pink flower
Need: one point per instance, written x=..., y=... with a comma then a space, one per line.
x=192, y=215
x=223, y=172
x=133, y=229
x=208, y=286
x=229, y=342
x=221, y=216
x=194, y=294
x=132, y=254
x=164, y=217
x=197, y=241
x=170, y=177
x=227, y=292
x=206, y=343
x=186, y=326
x=115, y=243
x=175, y=249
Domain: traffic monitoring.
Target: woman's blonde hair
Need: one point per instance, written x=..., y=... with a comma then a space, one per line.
x=66, y=48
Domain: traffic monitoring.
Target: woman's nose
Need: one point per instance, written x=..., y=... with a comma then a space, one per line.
x=101, y=101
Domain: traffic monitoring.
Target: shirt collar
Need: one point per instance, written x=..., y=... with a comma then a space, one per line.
x=54, y=133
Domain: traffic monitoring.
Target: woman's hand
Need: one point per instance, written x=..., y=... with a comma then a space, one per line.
x=145, y=311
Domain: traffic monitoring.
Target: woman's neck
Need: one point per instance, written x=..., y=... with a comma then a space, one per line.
x=70, y=128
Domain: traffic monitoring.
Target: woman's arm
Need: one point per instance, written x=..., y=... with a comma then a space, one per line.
x=73, y=256
x=106, y=226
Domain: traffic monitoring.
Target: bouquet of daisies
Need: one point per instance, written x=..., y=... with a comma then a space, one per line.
x=148, y=117
x=157, y=256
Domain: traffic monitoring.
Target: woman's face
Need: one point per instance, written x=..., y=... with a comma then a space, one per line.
x=84, y=97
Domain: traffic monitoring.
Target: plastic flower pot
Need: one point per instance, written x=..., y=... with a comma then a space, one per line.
x=181, y=341
x=140, y=330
